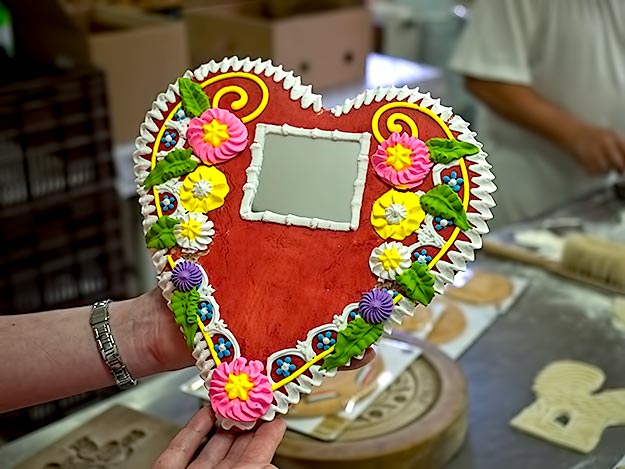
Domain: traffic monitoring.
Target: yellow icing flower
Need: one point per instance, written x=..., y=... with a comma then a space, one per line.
x=215, y=133
x=399, y=157
x=204, y=189
x=397, y=214
x=194, y=232
x=389, y=260
x=238, y=386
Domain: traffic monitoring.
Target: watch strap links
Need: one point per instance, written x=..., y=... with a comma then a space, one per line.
x=99, y=322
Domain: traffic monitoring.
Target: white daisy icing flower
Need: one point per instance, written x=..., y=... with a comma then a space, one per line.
x=389, y=260
x=194, y=232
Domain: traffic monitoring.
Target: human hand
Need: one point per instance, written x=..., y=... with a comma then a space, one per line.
x=597, y=149
x=225, y=450
x=167, y=344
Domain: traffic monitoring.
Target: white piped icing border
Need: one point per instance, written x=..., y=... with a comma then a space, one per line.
x=443, y=272
x=253, y=171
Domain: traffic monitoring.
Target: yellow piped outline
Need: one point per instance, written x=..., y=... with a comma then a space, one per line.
x=391, y=125
x=209, y=342
x=323, y=354
x=243, y=96
x=236, y=105
x=294, y=375
x=157, y=203
x=301, y=370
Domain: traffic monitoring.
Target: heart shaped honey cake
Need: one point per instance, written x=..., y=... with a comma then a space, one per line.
x=288, y=238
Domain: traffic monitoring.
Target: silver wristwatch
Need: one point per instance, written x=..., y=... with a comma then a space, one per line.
x=99, y=321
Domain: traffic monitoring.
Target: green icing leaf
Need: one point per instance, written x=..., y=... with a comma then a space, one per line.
x=417, y=283
x=161, y=234
x=176, y=163
x=352, y=341
x=184, y=307
x=194, y=100
x=445, y=150
x=442, y=201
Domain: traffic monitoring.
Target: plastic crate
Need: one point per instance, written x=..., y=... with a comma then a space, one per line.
x=54, y=136
x=60, y=240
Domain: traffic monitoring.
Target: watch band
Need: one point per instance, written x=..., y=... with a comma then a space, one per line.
x=99, y=321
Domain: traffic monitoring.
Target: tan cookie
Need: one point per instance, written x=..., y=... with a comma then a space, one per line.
x=450, y=325
x=483, y=288
x=420, y=320
x=332, y=396
x=569, y=409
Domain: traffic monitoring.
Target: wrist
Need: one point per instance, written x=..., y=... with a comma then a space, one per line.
x=570, y=134
x=149, y=340
x=165, y=344
x=99, y=321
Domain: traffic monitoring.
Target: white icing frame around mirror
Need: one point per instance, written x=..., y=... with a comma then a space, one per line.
x=253, y=172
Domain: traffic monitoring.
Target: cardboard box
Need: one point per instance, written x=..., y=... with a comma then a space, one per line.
x=325, y=48
x=140, y=55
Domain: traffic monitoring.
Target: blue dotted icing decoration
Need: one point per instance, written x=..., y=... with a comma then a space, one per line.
x=205, y=311
x=324, y=341
x=222, y=348
x=167, y=202
x=285, y=367
x=422, y=257
x=393, y=293
x=441, y=223
x=180, y=115
x=453, y=181
x=169, y=139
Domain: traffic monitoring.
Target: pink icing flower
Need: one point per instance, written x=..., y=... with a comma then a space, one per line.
x=402, y=160
x=240, y=391
x=216, y=136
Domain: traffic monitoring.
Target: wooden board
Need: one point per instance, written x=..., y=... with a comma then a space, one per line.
x=419, y=422
x=119, y=437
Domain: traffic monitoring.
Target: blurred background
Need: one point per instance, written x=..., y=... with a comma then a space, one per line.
x=546, y=81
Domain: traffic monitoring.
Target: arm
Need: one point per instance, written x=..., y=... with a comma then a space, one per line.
x=597, y=149
x=51, y=355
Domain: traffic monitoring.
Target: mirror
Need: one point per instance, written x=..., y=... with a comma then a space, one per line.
x=310, y=174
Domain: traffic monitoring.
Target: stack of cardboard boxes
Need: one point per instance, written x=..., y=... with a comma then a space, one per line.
x=141, y=53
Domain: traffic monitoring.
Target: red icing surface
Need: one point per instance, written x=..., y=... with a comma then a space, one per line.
x=274, y=283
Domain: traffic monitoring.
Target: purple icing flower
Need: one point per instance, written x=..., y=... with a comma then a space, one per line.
x=186, y=275
x=376, y=306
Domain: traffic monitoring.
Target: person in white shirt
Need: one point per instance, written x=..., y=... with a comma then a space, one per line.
x=552, y=77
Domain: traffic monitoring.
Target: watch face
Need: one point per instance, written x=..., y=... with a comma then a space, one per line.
x=287, y=237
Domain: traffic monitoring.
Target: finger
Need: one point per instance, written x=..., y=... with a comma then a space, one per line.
x=355, y=364
x=264, y=443
x=215, y=450
x=185, y=443
x=620, y=141
x=616, y=153
x=602, y=160
x=589, y=162
x=236, y=451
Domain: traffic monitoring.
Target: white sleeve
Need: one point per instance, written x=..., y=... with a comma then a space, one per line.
x=495, y=44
